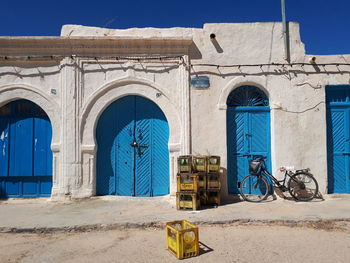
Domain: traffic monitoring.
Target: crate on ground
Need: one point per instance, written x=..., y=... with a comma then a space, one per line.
x=182, y=239
x=184, y=163
x=213, y=180
x=191, y=182
x=200, y=164
x=213, y=164
x=187, y=200
x=213, y=198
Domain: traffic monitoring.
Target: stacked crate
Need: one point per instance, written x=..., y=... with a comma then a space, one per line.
x=198, y=181
x=189, y=183
x=213, y=181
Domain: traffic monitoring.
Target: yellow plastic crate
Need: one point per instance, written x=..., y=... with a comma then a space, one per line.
x=187, y=200
x=182, y=239
x=184, y=164
x=200, y=164
x=213, y=181
x=191, y=182
x=213, y=164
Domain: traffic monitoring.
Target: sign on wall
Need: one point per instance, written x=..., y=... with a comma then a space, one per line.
x=200, y=82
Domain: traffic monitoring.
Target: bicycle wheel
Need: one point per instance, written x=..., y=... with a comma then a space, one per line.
x=254, y=188
x=303, y=186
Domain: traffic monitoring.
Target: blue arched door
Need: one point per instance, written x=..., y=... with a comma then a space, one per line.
x=132, y=156
x=248, y=132
x=338, y=138
x=26, y=157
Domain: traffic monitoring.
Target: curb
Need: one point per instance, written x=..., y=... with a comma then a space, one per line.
x=324, y=224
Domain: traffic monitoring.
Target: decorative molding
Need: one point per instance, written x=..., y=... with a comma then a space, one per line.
x=259, y=82
x=174, y=147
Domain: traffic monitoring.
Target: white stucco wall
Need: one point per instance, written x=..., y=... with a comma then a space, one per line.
x=74, y=91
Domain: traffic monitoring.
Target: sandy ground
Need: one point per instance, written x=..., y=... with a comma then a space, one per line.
x=253, y=242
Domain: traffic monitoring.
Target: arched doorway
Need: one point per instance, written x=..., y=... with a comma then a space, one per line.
x=26, y=157
x=132, y=149
x=338, y=138
x=248, y=132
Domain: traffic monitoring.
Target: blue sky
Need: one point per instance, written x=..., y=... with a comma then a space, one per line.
x=325, y=24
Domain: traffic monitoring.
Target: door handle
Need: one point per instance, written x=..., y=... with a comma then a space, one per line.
x=346, y=153
x=134, y=144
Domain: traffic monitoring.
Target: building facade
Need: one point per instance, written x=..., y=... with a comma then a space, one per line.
x=107, y=112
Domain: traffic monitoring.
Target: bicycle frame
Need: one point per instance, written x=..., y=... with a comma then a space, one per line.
x=279, y=183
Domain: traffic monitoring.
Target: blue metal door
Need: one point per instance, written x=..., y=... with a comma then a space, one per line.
x=248, y=132
x=132, y=157
x=338, y=138
x=26, y=157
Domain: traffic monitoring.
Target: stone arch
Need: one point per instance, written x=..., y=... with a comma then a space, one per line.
x=12, y=92
x=114, y=90
x=235, y=83
x=101, y=99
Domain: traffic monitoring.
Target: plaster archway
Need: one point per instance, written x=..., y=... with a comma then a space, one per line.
x=111, y=92
x=12, y=92
x=259, y=82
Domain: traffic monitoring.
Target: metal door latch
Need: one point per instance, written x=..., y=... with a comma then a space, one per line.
x=134, y=144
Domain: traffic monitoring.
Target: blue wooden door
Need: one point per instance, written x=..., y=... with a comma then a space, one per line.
x=338, y=138
x=248, y=132
x=26, y=159
x=132, y=157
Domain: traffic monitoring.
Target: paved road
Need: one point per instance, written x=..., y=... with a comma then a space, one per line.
x=113, y=212
x=250, y=242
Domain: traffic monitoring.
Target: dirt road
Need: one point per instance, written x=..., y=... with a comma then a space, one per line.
x=328, y=242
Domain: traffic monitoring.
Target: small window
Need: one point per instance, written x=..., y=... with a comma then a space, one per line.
x=247, y=96
x=5, y=110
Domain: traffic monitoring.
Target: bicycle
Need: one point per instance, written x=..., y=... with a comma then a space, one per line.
x=255, y=187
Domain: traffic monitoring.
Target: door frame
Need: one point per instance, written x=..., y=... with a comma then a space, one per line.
x=247, y=109
x=330, y=150
x=139, y=124
x=179, y=139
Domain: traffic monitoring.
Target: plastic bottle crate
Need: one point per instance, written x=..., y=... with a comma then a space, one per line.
x=182, y=239
x=213, y=164
x=184, y=164
x=191, y=182
x=187, y=200
x=213, y=198
x=199, y=164
x=213, y=181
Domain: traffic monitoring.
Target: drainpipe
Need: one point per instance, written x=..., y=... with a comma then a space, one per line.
x=285, y=32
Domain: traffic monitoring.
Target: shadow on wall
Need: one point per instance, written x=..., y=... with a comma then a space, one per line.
x=230, y=198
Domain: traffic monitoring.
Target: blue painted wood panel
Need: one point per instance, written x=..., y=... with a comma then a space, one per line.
x=248, y=135
x=132, y=171
x=26, y=159
x=338, y=140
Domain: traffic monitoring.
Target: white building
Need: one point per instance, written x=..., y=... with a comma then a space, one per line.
x=224, y=89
